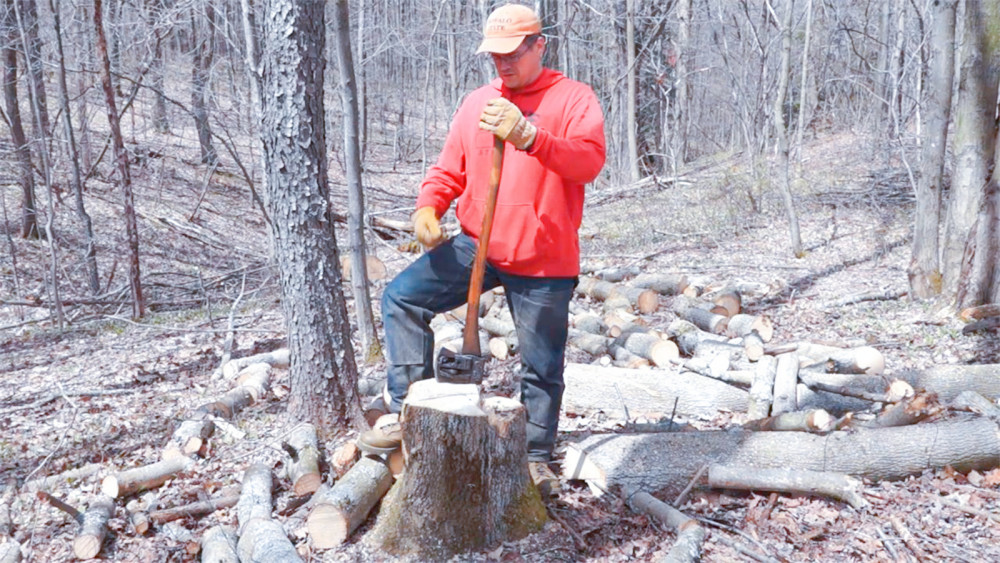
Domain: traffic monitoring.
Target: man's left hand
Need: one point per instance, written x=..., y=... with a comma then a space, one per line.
x=502, y=118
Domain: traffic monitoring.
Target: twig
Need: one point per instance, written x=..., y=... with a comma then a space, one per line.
x=694, y=480
x=628, y=419
x=736, y=545
x=971, y=510
x=53, y=396
x=47, y=497
x=227, y=346
x=887, y=543
x=581, y=544
x=195, y=330
x=908, y=538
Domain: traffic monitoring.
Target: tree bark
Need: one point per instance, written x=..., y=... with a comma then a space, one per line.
x=121, y=158
x=323, y=372
x=26, y=176
x=201, y=65
x=487, y=497
x=782, y=133
x=924, y=271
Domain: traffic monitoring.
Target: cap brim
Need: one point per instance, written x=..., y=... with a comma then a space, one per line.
x=500, y=45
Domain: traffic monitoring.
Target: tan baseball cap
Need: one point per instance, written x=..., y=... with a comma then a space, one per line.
x=507, y=27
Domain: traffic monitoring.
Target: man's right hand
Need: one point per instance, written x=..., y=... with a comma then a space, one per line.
x=427, y=227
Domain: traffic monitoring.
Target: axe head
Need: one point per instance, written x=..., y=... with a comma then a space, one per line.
x=459, y=368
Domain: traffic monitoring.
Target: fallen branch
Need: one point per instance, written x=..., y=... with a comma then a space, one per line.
x=908, y=538
x=690, y=534
x=200, y=508
x=150, y=476
x=53, y=501
x=801, y=481
x=817, y=421
x=218, y=545
x=94, y=528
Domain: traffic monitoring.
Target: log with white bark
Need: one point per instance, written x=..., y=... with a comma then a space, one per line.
x=645, y=301
x=466, y=485
x=339, y=510
x=190, y=438
x=704, y=314
x=94, y=528
x=303, y=466
x=667, y=462
x=218, y=545
x=262, y=539
x=729, y=299
x=859, y=359
x=10, y=552
x=652, y=346
x=502, y=348
x=279, y=358
x=786, y=378
x=664, y=284
x=910, y=411
x=199, y=508
x=690, y=338
x=753, y=346
x=593, y=344
x=497, y=326
x=649, y=394
x=690, y=534
x=68, y=477
x=255, y=495
x=980, y=312
x=974, y=402
x=150, y=476
x=590, y=323
x=139, y=516
x=6, y=498
x=743, y=324
x=625, y=359
x=817, y=420
x=784, y=480
x=252, y=384
x=858, y=386
x=618, y=320
x=950, y=380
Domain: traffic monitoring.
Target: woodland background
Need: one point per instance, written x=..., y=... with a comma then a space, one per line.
x=139, y=201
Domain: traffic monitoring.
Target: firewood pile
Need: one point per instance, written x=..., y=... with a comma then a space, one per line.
x=664, y=354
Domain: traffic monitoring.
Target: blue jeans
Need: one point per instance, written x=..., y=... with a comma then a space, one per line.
x=438, y=281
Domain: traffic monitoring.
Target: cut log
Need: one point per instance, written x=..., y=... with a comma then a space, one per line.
x=190, y=438
x=339, y=510
x=10, y=552
x=700, y=314
x=150, y=476
x=651, y=346
x=690, y=535
x=666, y=462
x=303, y=467
x=851, y=386
x=138, y=515
x=590, y=323
x=68, y=477
x=974, y=402
x=689, y=337
x=625, y=359
x=279, y=358
x=255, y=500
x=753, y=346
x=256, y=378
x=861, y=359
x=218, y=545
x=593, y=344
x=742, y=325
x=94, y=528
x=729, y=299
x=645, y=301
x=252, y=385
x=801, y=481
x=617, y=320
x=817, y=420
x=649, y=394
x=910, y=411
x=950, y=380
x=374, y=268
x=264, y=541
x=786, y=377
x=980, y=312
x=200, y=508
x=487, y=497
x=496, y=326
x=664, y=284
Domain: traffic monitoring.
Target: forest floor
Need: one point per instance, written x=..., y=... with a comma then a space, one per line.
x=108, y=390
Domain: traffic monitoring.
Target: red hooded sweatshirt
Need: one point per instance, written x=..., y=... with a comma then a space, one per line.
x=540, y=201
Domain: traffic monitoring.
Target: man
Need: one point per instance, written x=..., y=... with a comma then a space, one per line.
x=556, y=128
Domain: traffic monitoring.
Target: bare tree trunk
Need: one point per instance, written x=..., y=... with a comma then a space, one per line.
x=980, y=275
x=323, y=372
x=90, y=254
x=973, y=146
x=26, y=177
x=200, y=69
x=632, y=132
x=804, y=108
x=370, y=348
x=782, y=132
x=33, y=56
x=924, y=271
x=83, y=54
x=121, y=157
x=897, y=56
x=160, y=121
x=680, y=105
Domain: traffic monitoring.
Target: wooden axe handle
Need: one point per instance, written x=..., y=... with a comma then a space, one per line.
x=470, y=335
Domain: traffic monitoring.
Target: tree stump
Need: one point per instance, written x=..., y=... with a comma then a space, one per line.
x=466, y=485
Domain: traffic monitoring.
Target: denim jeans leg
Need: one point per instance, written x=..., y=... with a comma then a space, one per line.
x=540, y=307
x=435, y=282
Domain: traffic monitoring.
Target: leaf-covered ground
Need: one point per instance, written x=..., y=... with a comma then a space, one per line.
x=107, y=390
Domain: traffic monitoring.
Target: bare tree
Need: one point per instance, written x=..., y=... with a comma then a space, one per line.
x=323, y=371
x=200, y=73
x=924, y=271
x=781, y=131
x=26, y=176
x=630, y=97
x=28, y=11
x=121, y=158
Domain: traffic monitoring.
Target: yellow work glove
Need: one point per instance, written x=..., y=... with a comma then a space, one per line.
x=502, y=118
x=427, y=227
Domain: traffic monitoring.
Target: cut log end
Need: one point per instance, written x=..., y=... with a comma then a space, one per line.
x=327, y=526
x=87, y=547
x=110, y=486
x=307, y=484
